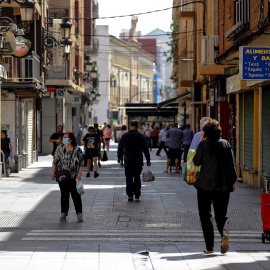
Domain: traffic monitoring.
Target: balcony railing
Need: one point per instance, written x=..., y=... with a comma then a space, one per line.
x=59, y=73
x=188, y=7
x=24, y=69
x=208, y=49
x=186, y=69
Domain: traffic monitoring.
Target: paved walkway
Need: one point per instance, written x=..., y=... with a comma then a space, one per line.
x=115, y=233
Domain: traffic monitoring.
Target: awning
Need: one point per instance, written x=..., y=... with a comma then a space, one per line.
x=166, y=102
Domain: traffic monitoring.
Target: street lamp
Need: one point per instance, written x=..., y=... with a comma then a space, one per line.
x=93, y=93
x=65, y=29
x=98, y=96
x=88, y=64
x=27, y=10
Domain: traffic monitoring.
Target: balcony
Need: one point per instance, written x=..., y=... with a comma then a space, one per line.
x=24, y=69
x=95, y=9
x=186, y=71
x=187, y=10
x=61, y=73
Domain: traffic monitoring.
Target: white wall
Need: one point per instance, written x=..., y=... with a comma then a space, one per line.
x=103, y=62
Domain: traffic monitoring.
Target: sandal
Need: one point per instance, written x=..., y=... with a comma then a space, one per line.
x=208, y=251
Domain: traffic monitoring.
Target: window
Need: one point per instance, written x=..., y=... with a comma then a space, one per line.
x=241, y=8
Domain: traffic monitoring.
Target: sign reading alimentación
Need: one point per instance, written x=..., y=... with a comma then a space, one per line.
x=254, y=63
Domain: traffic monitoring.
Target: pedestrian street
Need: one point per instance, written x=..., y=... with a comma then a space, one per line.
x=162, y=231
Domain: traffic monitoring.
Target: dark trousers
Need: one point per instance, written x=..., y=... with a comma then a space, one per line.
x=148, y=140
x=186, y=148
x=155, y=140
x=220, y=202
x=66, y=189
x=133, y=180
x=162, y=145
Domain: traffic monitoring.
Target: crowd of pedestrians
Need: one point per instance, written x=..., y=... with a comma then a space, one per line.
x=213, y=154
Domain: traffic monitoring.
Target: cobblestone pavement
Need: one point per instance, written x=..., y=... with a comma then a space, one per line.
x=162, y=231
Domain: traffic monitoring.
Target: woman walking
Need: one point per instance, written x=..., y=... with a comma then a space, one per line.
x=108, y=136
x=69, y=157
x=6, y=146
x=215, y=182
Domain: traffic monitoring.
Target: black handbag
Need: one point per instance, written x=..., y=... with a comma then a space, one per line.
x=104, y=156
x=62, y=176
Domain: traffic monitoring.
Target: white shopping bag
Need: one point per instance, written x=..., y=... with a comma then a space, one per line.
x=11, y=162
x=148, y=176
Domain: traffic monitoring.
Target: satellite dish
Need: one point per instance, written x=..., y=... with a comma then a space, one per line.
x=8, y=45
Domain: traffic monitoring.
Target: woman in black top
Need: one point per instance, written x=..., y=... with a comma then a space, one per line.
x=215, y=182
x=6, y=145
x=69, y=157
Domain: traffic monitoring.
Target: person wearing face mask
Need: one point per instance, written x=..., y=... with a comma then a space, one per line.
x=69, y=157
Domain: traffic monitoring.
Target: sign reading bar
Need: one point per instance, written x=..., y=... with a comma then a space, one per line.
x=254, y=63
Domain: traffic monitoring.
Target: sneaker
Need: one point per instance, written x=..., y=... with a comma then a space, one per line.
x=96, y=175
x=99, y=165
x=224, y=244
x=137, y=198
x=88, y=174
x=80, y=217
x=130, y=198
x=63, y=217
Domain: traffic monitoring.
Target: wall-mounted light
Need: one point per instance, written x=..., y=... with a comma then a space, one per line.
x=65, y=29
x=27, y=10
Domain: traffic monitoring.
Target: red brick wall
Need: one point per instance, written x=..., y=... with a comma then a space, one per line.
x=227, y=19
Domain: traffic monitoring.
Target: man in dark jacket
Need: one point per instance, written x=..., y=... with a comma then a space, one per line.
x=215, y=182
x=133, y=144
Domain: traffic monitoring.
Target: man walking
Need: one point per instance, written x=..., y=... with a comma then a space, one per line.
x=56, y=138
x=91, y=144
x=101, y=137
x=176, y=138
x=132, y=145
x=162, y=141
x=148, y=134
x=188, y=133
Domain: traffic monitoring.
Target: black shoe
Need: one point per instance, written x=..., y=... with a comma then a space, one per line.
x=88, y=174
x=130, y=199
x=96, y=175
x=99, y=165
x=137, y=198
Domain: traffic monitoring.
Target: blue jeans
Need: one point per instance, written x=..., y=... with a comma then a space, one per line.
x=133, y=180
x=6, y=158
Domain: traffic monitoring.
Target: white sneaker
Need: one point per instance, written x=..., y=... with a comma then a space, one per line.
x=80, y=217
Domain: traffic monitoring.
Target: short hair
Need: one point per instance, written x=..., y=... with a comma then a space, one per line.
x=175, y=125
x=134, y=123
x=91, y=128
x=72, y=138
x=204, y=119
x=96, y=125
x=4, y=131
x=212, y=129
x=124, y=127
x=188, y=126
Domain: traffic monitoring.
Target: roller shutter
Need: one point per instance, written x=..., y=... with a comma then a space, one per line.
x=241, y=130
x=249, y=130
x=266, y=133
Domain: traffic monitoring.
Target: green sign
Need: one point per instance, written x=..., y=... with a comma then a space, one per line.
x=76, y=99
x=60, y=93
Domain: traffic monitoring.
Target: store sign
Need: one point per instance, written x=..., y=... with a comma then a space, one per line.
x=23, y=47
x=254, y=63
x=51, y=90
x=60, y=93
x=77, y=99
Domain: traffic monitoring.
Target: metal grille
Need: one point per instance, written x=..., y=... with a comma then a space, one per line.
x=241, y=11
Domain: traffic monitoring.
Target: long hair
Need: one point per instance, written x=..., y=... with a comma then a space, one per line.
x=72, y=138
